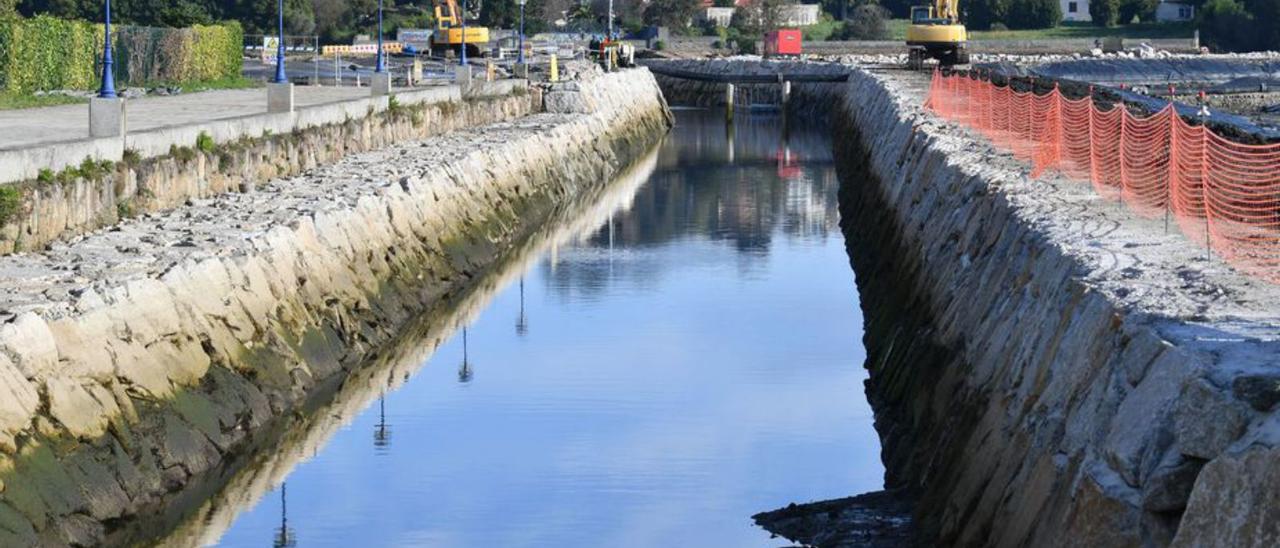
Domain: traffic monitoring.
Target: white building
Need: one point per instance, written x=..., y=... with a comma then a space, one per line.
x=721, y=16
x=1173, y=11
x=793, y=15
x=798, y=15
x=1167, y=11
x=1075, y=10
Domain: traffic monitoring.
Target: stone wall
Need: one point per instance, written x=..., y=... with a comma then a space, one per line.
x=1046, y=369
x=808, y=100
x=125, y=384
x=157, y=173
x=1027, y=390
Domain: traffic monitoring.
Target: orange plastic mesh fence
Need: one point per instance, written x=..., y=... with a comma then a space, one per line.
x=1224, y=193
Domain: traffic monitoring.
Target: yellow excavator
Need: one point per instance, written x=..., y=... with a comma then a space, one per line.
x=936, y=33
x=448, y=36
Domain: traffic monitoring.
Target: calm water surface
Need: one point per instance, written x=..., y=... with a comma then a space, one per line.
x=695, y=359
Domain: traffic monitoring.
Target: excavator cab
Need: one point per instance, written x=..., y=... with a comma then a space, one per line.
x=936, y=33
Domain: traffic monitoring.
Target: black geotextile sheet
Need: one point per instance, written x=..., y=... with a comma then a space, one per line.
x=1226, y=74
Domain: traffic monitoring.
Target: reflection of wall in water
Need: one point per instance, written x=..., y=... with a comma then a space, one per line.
x=701, y=137
x=773, y=187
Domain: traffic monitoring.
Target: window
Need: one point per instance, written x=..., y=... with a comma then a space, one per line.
x=1073, y=7
x=1184, y=12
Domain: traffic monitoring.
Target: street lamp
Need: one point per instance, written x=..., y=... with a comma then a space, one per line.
x=108, y=90
x=280, y=77
x=463, y=16
x=382, y=64
x=520, y=55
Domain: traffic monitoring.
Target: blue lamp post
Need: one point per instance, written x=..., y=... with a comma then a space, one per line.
x=280, y=77
x=520, y=55
x=381, y=65
x=463, y=16
x=108, y=90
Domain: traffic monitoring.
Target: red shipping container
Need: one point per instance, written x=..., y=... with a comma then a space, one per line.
x=783, y=42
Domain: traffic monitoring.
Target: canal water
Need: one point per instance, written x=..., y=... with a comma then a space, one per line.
x=692, y=357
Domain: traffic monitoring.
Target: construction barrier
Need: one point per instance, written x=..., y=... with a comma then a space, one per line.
x=1220, y=192
x=361, y=49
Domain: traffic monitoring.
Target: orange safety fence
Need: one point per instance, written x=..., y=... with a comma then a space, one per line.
x=1220, y=192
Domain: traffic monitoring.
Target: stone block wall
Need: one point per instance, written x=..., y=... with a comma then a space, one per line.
x=127, y=389
x=1021, y=391
x=156, y=174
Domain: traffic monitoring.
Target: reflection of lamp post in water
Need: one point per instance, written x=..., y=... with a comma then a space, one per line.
x=729, y=135
x=285, y=537
x=522, y=323
x=464, y=372
x=382, y=434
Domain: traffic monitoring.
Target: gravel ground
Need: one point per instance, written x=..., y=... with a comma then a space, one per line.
x=1201, y=300
x=69, y=273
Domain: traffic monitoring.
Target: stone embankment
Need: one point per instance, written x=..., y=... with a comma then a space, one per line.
x=1046, y=368
x=135, y=361
x=302, y=435
x=159, y=169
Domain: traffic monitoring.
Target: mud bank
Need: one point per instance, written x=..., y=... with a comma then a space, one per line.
x=136, y=360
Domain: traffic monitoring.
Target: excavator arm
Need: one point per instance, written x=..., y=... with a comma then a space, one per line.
x=450, y=36
x=447, y=14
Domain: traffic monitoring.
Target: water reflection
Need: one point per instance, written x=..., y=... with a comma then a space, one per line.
x=285, y=537
x=696, y=192
x=305, y=436
x=382, y=434
x=464, y=371
x=697, y=358
x=522, y=320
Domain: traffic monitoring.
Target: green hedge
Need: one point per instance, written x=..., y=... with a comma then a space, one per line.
x=43, y=53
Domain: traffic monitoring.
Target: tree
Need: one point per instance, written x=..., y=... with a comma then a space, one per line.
x=1033, y=14
x=900, y=9
x=1266, y=34
x=1143, y=10
x=1226, y=25
x=866, y=23
x=675, y=14
x=506, y=14
x=981, y=14
x=1104, y=13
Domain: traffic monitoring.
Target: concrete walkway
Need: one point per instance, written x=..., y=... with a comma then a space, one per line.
x=27, y=127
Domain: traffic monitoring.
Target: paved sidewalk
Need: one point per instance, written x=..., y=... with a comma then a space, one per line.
x=26, y=127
